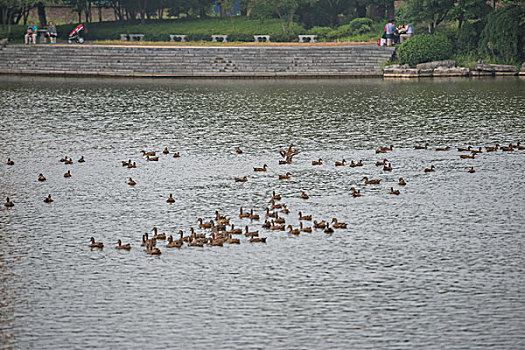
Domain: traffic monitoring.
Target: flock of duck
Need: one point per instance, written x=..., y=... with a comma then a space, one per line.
x=220, y=230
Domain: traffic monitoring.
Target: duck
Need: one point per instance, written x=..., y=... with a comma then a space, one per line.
x=492, y=149
x=176, y=155
x=221, y=220
x=231, y=240
x=336, y=224
x=48, y=199
x=215, y=242
x=81, y=160
x=304, y=229
x=320, y=225
x=317, y=162
x=166, y=150
x=68, y=161
x=460, y=149
x=152, y=159
x=305, y=217
x=401, y=182
x=205, y=225
x=253, y=216
x=145, y=154
x=387, y=167
x=238, y=150
x=276, y=205
x=152, y=250
x=473, y=151
x=124, y=163
x=157, y=235
x=285, y=177
x=352, y=164
x=303, y=195
x=144, y=240
x=360, y=163
x=392, y=191
x=276, y=197
x=96, y=244
x=275, y=227
x=123, y=246
x=293, y=231
x=131, y=182
x=383, y=163
x=328, y=229
x=421, y=147
x=510, y=148
x=354, y=192
x=267, y=224
x=243, y=215
x=341, y=163
x=471, y=170
x=381, y=150
x=371, y=182
x=68, y=174
x=8, y=203
x=279, y=220
x=241, y=179
x=442, y=149
x=62, y=160
x=170, y=199
x=261, y=169
x=132, y=165
x=195, y=243
x=519, y=147
x=235, y=231
x=257, y=239
x=253, y=233
x=285, y=210
x=270, y=214
x=10, y=162
x=174, y=244
x=431, y=169
x=41, y=177
x=466, y=156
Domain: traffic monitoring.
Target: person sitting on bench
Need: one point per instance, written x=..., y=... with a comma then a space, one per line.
x=31, y=33
x=51, y=33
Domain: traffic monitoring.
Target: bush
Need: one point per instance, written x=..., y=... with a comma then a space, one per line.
x=360, y=25
x=503, y=38
x=321, y=31
x=424, y=48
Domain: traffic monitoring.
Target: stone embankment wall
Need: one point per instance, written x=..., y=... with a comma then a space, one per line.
x=196, y=61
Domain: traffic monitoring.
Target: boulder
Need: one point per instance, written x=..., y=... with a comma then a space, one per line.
x=481, y=67
x=401, y=73
x=522, y=69
x=435, y=64
x=451, y=71
x=3, y=43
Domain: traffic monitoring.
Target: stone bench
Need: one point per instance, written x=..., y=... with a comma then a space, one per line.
x=181, y=37
x=313, y=38
x=257, y=37
x=223, y=37
x=124, y=37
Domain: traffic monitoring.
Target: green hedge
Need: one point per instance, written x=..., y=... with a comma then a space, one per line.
x=424, y=48
x=503, y=38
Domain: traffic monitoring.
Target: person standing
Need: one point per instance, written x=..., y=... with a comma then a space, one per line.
x=31, y=32
x=389, y=31
x=51, y=33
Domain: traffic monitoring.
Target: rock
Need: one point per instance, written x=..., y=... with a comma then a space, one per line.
x=435, y=64
x=522, y=69
x=402, y=73
x=3, y=43
x=451, y=71
x=495, y=68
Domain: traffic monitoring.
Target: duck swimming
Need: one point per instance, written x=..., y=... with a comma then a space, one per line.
x=48, y=199
x=123, y=246
x=94, y=244
x=170, y=199
x=429, y=170
x=81, y=159
x=317, y=162
x=371, y=182
x=303, y=195
x=68, y=174
x=238, y=150
x=41, y=177
x=401, y=182
x=261, y=169
x=166, y=150
x=10, y=162
x=8, y=203
x=131, y=182
x=395, y=192
x=285, y=177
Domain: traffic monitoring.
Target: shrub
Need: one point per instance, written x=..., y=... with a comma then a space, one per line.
x=360, y=25
x=424, y=48
x=321, y=31
x=503, y=37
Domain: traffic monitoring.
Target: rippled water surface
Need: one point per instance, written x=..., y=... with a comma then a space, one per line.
x=441, y=266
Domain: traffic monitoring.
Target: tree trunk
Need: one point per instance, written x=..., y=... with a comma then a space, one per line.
x=100, y=13
x=334, y=19
x=42, y=14
x=9, y=23
x=26, y=15
x=390, y=9
x=4, y=17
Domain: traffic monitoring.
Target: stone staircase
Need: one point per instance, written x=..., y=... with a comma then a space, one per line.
x=195, y=61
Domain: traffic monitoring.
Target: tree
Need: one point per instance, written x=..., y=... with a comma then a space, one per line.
x=431, y=12
x=285, y=10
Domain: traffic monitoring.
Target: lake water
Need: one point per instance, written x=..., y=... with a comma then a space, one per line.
x=441, y=266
